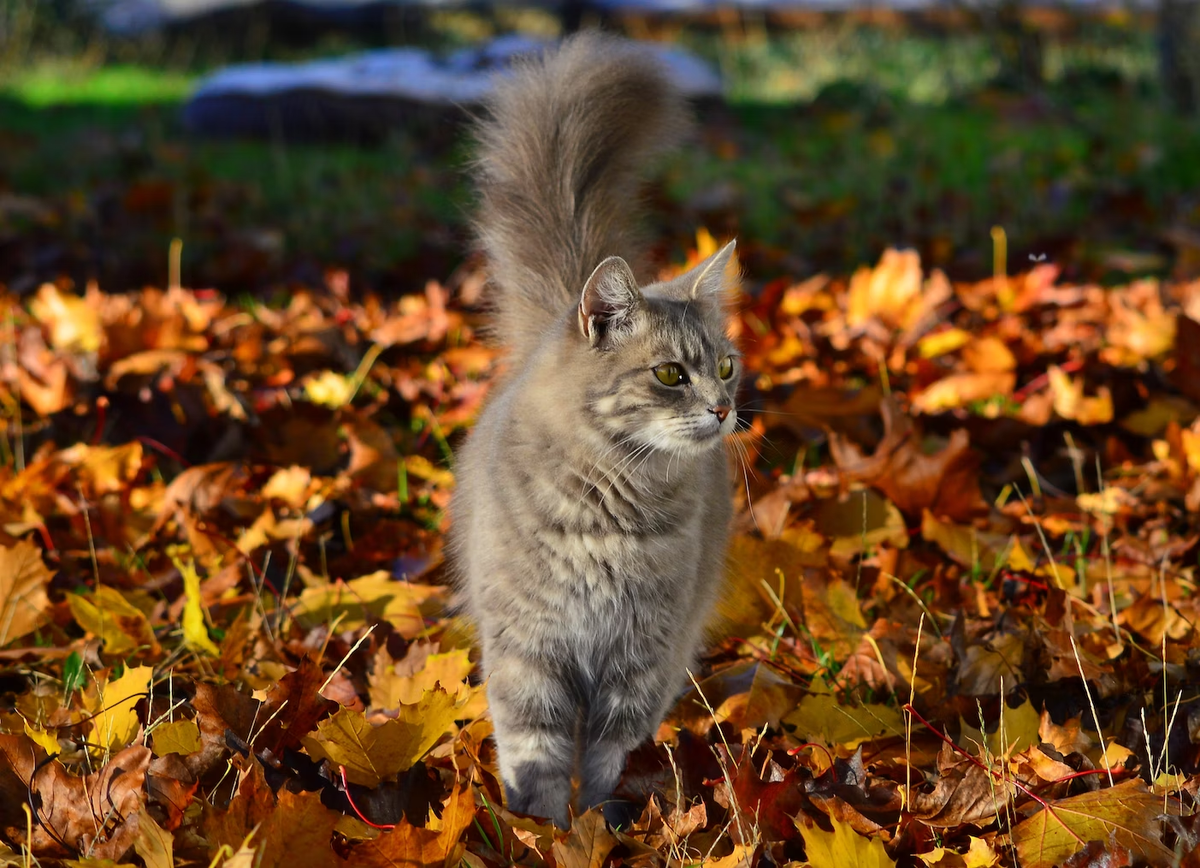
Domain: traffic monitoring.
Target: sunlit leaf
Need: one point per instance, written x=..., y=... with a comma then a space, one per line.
x=115, y=721
x=372, y=754
x=23, y=581
x=1128, y=813
x=841, y=847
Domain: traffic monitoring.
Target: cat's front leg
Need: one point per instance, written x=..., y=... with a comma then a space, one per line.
x=625, y=711
x=534, y=714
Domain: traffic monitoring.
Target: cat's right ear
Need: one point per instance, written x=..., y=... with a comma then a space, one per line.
x=610, y=298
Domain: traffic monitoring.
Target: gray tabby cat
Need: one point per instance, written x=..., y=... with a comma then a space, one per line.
x=593, y=501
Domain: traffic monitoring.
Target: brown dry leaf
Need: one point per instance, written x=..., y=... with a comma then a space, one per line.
x=984, y=665
x=23, y=581
x=1127, y=812
x=293, y=830
x=372, y=754
x=963, y=793
x=588, y=843
x=408, y=846
x=96, y=814
x=946, y=482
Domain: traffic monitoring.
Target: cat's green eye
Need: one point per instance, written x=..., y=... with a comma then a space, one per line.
x=670, y=374
x=725, y=368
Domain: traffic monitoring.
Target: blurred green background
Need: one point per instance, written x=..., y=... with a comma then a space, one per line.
x=842, y=134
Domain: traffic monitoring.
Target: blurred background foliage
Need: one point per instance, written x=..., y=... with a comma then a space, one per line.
x=842, y=134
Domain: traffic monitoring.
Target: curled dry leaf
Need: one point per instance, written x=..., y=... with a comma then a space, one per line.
x=95, y=814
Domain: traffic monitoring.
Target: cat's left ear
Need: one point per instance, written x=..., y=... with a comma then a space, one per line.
x=712, y=277
x=610, y=298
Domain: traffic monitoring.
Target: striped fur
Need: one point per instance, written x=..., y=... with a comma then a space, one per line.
x=591, y=514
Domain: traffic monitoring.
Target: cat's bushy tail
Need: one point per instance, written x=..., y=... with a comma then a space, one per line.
x=559, y=155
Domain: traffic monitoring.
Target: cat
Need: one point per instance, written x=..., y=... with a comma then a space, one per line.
x=591, y=515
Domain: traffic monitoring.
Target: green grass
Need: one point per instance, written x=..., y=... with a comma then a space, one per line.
x=59, y=83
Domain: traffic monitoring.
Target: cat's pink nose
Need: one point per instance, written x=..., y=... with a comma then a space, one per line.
x=720, y=411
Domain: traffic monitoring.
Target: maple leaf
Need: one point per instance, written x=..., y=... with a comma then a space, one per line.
x=1127, y=812
x=372, y=753
x=23, y=581
x=370, y=599
x=771, y=803
x=843, y=846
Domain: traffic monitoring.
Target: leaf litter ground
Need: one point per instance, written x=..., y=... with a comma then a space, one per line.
x=959, y=628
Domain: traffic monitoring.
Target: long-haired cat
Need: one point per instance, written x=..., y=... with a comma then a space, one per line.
x=593, y=503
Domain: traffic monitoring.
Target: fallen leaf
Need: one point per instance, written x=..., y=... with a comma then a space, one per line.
x=114, y=713
x=1128, y=812
x=372, y=754
x=176, y=736
x=121, y=626
x=841, y=847
x=23, y=581
x=95, y=814
x=587, y=844
x=946, y=482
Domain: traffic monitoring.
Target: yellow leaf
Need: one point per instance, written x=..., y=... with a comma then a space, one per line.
x=940, y=343
x=891, y=291
x=1127, y=812
x=23, y=581
x=176, y=736
x=373, y=753
x=153, y=843
x=46, y=740
x=290, y=485
x=330, y=389
x=821, y=718
x=367, y=600
x=74, y=325
x=115, y=721
x=979, y=855
x=120, y=625
x=195, y=633
x=1070, y=403
x=1017, y=730
x=451, y=670
x=841, y=847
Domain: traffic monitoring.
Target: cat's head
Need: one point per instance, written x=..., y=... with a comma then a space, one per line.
x=661, y=370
